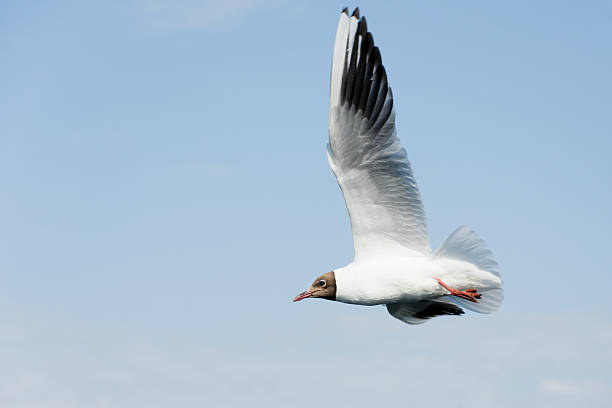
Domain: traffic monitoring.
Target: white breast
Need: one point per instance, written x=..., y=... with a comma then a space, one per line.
x=387, y=280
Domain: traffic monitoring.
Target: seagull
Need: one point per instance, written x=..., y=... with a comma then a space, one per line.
x=394, y=264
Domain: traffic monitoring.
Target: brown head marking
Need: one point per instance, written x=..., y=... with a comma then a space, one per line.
x=323, y=287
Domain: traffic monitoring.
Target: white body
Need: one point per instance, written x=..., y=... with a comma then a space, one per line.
x=400, y=279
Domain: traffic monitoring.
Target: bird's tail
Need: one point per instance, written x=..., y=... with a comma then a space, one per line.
x=464, y=245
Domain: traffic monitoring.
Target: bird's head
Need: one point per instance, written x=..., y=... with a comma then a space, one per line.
x=323, y=287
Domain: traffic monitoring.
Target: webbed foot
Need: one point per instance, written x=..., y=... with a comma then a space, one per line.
x=468, y=294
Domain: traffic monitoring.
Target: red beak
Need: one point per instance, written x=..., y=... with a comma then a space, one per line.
x=302, y=295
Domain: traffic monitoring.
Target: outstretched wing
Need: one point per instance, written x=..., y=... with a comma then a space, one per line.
x=364, y=152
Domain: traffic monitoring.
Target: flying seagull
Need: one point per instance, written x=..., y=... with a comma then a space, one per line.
x=394, y=264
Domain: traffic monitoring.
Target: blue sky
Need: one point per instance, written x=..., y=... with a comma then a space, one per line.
x=166, y=194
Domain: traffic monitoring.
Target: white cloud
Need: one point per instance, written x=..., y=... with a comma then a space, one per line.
x=572, y=389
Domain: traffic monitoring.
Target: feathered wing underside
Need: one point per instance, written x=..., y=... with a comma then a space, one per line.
x=371, y=166
x=421, y=311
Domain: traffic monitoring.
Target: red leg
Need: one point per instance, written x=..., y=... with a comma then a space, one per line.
x=468, y=294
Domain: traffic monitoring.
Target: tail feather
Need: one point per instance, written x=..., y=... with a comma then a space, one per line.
x=490, y=301
x=464, y=245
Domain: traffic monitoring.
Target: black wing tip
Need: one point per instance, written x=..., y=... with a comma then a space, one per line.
x=355, y=13
x=362, y=27
x=364, y=81
x=376, y=54
x=439, y=309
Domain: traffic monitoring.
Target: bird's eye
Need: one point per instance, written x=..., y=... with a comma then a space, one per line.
x=322, y=283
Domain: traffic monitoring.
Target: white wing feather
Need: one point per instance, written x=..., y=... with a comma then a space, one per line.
x=364, y=152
